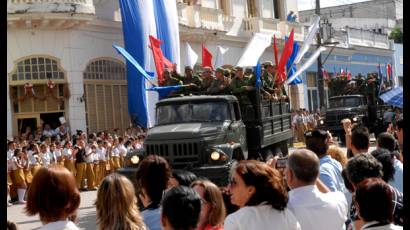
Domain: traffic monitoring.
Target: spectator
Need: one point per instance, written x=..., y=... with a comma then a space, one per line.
x=330, y=172
x=80, y=155
x=152, y=179
x=399, y=133
x=360, y=140
x=373, y=202
x=55, y=197
x=389, y=172
x=313, y=209
x=337, y=153
x=117, y=204
x=261, y=195
x=361, y=167
x=181, y=177
x=181, y=209
x=213, y=210
x=19, y=163
x=298, y=123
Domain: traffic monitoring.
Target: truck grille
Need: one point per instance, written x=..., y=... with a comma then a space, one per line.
x=335, y=119
x=178, y=154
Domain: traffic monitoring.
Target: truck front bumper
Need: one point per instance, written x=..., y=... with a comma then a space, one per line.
x=218, y=174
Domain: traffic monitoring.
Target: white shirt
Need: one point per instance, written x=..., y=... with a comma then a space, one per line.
x=89, y=156
x=398, y=176
x=261, y=217
x=101, y=153
x=68, y=153
x=60, y=225
x=383, y=227
x=115, y=152
x=316, y=210
x=10, y=154
x=122, y=149
x=46, y=158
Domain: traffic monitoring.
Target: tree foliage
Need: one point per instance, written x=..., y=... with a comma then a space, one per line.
x=397, y=35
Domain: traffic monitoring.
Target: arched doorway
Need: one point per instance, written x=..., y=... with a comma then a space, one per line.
x=38, y=93
x=106, y=96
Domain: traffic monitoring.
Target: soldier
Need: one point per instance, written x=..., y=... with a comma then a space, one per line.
x=220, y=84
x=241, y=86
x=207, y=78
x=175, y=74
x=171, y=81
x=194, y=82
x=268, y=81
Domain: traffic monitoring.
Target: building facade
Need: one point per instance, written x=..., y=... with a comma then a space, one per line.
x=60, y=60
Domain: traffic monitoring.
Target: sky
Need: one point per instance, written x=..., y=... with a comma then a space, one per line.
x=311, y=4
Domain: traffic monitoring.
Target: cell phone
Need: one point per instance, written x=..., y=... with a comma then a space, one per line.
x=282, y=162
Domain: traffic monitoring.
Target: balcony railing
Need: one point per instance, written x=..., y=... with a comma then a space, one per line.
x=368, y=38
x=50, y=14
x=261, y=25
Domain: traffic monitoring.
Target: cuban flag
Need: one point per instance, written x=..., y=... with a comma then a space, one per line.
x=141, y=19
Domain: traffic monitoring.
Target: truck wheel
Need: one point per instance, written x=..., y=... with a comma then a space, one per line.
x=284, y=148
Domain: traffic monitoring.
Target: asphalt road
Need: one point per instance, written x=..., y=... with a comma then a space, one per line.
x=86, y=213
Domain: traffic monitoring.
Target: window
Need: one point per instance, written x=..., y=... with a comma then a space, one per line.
x=37, y=68
x=311, y=79
x=106, y=95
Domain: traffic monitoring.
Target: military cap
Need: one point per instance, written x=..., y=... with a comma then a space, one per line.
x=267, y=63
x=219, y=69
x=207, y=68
x=238, y=68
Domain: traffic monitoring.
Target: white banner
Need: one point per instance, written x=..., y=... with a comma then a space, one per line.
x=254, y=49
x=190, y=56
x=219, y=60
x=307, y=64
x=309, y=39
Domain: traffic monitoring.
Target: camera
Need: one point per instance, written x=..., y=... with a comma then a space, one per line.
x=282, y=162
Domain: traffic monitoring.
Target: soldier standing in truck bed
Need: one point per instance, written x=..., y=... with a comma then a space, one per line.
x=220, y=84
x=207, y=78
x=268, y=81
x=194, y=82
x=241, y=85
x=171, y=81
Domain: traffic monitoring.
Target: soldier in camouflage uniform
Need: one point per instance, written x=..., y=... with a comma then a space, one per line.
x=171, y=81
x=268, y=81
x=241, y=85
x=193, y=82
x=207, y=78
x=220, y=84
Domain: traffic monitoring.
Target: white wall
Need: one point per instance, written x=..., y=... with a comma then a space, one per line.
x=107, y=9
x=75, y=49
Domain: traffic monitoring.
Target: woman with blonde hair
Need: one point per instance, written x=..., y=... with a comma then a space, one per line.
x=337, y=153
x=117, y=205
x=213, y=210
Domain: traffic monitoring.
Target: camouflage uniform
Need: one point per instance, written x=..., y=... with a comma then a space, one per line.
x=217, y=84
x=206, y=82
x=237, y=88
x=194, y=79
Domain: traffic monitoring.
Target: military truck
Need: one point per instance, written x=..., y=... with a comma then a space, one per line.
x=356, y=100
x=206, y=134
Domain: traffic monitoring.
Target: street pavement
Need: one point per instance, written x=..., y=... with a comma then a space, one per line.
x=86, y=215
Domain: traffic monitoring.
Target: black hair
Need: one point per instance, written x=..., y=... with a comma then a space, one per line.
x=400, y=124
x=182, y=206
x=386, y=140
x=363, y=166
x=317, y=145
x=360, y=137
x=374, y=198
x=385, y=157
x=184, y=177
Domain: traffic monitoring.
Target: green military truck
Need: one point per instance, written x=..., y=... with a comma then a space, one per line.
x=206, y=134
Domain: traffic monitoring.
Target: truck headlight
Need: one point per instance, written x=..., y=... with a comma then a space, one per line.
x=322, y=122
x=355, y=119
x=215, y=155
x=135, y=160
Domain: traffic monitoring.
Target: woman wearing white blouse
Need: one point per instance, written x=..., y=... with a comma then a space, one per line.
x=259, y=192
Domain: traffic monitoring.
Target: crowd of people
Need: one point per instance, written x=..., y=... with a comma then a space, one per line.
x=320, y=187
x=302, y=121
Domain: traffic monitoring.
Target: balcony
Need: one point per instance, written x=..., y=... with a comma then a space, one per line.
x=195, y=16
x=261, y=25
x=368, y=38
x=286, y=27
x=49, y=14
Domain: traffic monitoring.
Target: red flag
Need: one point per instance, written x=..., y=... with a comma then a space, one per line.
x=275, y=50
x=325, y=74
x=287, y=51
x=159, y=58
x=389, y=72
x=206, y=57
x=349, y=76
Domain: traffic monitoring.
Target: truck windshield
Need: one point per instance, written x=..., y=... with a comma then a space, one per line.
x=345, y=102
x=192, y=112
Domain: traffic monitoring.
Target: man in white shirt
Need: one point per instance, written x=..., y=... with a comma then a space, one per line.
x=313, y=209
x=123, y=151
x=102, y=161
